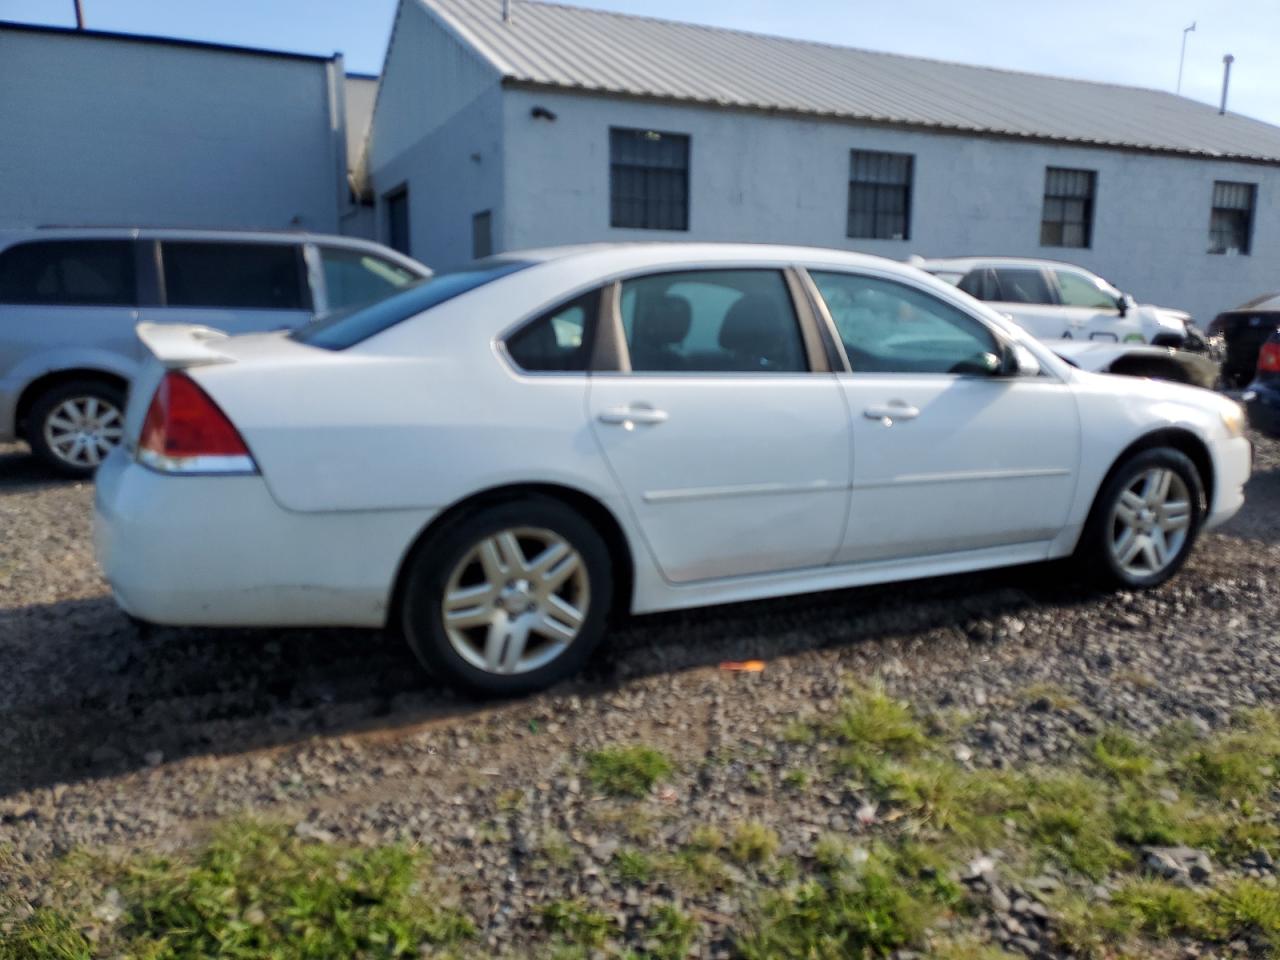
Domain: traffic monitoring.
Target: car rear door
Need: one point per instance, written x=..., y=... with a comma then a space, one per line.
x=236, y=286
x=949, y=455
x=722, y=429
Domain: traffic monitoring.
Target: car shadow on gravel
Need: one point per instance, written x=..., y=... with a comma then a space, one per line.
x=19, y=469
x=94, y=695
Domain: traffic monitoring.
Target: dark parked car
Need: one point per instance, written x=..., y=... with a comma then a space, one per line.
x=1262, y=399
x=1245, y=329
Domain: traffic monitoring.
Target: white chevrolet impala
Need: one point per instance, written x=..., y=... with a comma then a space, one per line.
x=495, y=460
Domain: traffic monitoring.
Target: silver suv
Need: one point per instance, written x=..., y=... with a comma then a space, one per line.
x=70, y=299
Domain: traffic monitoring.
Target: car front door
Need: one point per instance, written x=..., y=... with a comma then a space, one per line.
x=729, y=443
x=949, y=453
x=1093, y=309
x=233, y=286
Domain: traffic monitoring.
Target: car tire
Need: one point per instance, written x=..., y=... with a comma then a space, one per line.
x=95, y=406
x=1144, y=521
x=509, y=599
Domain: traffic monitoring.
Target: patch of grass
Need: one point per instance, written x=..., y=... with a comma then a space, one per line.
x=555, y=850
x=798, y=731
x=1120, y=756
x=753, y=842
x=865, y=908
x=796, y=780
x=1239, y=765
x=969, y=948
x=254, y=891
x=670, y=935
x=633, y=867
x=577, y=923
x=874, y=727
x=630, y=771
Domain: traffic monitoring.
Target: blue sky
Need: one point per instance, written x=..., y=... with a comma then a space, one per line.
x=1120, y=41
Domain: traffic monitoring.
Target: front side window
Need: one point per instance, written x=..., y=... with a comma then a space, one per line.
x=346, y=328
x=558, y=341
x=233, y=276
x=1231, y=221
x=1067, y=220
x=880, y=195
x=888, y=327
x=648, y=180
x=354, y=277
x=1077, y=290
x=712, y=321
x=89, y=273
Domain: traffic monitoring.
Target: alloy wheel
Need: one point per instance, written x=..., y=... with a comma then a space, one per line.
x=1150, y=522
x=516, y=600
x=82, y=430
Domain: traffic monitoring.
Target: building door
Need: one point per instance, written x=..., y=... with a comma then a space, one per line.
x=397, y=203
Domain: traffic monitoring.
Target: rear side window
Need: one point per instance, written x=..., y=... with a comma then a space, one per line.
x=712, y=321
x=353, y=277
x=1007, y=285
x=234, y=276
x=90, y=273
x=338, y=331
x=558, y=341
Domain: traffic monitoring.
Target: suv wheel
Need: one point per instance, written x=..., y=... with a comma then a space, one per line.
x=510, y=599
x=76, y=424
x=1145, y=520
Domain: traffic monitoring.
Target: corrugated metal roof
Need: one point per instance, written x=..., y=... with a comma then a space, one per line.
x=592, y=50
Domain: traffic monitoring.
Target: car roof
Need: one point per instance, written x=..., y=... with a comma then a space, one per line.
x=606, y=256
x=10, y=236
x=965, y=264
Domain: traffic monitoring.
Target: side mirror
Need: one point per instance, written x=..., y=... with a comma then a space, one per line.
x=1125, y=303
x=1019, y=362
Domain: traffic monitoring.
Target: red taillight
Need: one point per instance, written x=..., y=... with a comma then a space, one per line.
x=1269, y=357
x=185, y=431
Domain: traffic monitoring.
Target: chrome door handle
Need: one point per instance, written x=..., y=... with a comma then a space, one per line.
x=629, y=416
x=889, y=413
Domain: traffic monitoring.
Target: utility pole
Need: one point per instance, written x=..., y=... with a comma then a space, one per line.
x=1227, y=61
x=1183, y=57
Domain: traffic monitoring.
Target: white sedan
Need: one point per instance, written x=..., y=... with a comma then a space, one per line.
x=497, y=459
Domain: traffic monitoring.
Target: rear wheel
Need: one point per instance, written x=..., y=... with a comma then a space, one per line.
x=510, y=599
x=73, y=426
x=1145, y=520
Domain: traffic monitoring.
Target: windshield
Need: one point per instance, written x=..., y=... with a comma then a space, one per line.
x=346, y=328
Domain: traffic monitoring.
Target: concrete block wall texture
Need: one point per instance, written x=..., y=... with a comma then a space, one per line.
x=104, y=130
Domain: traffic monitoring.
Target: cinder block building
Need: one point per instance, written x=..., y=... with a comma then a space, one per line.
x=501, y=126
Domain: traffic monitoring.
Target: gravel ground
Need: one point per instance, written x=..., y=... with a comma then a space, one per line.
x=112, y=738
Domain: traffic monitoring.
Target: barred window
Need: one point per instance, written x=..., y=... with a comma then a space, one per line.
x=1067, y=220
x=649, y=179
x=1231, y=222
x=880, y=195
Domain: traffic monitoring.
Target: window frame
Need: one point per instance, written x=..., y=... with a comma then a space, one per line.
x=835, y=343
x=592, y=325
x=303, y=272
x=614, y=164
x=137, y=266
x=909, y=188
x=1090, y=208
x=397, y=193
x=481, y=251
x=1251, y=217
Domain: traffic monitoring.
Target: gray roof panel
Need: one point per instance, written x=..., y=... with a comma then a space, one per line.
x=591, y=50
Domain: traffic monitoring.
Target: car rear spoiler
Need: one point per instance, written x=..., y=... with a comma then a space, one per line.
x=178, y=345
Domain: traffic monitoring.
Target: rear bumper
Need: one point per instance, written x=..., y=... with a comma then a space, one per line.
x=1263, y=404
x=1232, y=465
x=219, y=551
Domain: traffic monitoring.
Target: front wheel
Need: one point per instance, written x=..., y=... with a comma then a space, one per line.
x=510, y=599
x=1145, y=520
x=75, y=425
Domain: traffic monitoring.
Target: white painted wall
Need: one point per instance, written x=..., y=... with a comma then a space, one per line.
x=437, y=128
x=98, y=130
x=778, y=179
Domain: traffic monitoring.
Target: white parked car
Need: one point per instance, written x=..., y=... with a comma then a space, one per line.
x=1061, y=301
x=496, y=459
